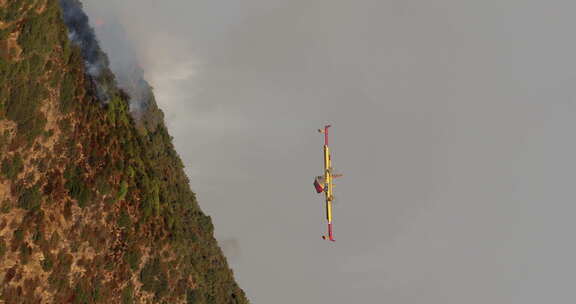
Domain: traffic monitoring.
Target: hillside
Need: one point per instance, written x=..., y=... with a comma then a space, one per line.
x=94, y=203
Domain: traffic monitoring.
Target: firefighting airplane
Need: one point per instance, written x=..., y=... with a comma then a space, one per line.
x=325, y=183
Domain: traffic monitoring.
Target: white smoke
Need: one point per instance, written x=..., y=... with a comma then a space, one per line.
x=82, y=35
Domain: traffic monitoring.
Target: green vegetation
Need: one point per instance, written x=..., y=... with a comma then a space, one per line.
x=100, y=189
x=30, y=198
x=58, y=279
x=10, y=14
x=35, y=33
x=124, y=220
x=191, y=297
x=76, y=186
x=67, y=93
x=4, y=137
x=5, y=206
x=132, y=257
x=2, y=247
x=18, y=236
x=20, y=82
x=47, y=263
x=12, y=167
x=153, y=278
x=128, y=294
x=123, y=191
x=25, y=252
x=22, y=107
x=85, y=292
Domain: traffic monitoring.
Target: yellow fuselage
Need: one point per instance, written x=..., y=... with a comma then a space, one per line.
x=328, y=180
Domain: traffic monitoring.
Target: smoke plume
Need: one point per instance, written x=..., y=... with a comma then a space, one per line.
x=107, y=76
x=124, y=63
x=82, y=35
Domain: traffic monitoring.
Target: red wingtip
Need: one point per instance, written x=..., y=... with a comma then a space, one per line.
x=330, y=233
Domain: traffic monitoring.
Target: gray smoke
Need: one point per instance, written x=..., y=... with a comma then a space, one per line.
x=124, y=64
x=82, y=35
x=121, y=71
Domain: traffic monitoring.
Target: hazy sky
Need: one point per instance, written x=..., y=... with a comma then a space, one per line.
x=453, y=124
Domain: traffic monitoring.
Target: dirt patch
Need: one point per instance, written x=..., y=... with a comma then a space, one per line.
x=10, y=258
x=46, y=143
x=4, y=191
x=42, y=7
x=14, y=50
x=7, y=125
x=51, y=113
x=86, y=253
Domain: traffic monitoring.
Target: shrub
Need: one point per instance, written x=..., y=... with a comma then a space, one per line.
x=30, y=198
x=205, y=222
x=132, y=257
x=58, y=279
x=124, y=220
x=191, y=297
x=18, y=238
x=22, y=108
x=123, y=191
x=87, y=292
x=25, y=252
x=48, y=262
x=37, y=236
x=102, y=185
x=12, y=167
x=128, y=294
x=2, y=247
x=10, y=13
x=4, y=137
x=38, y=33
x=76, y=187
x=6, y=206
x=67, y=93
x=153, y=278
